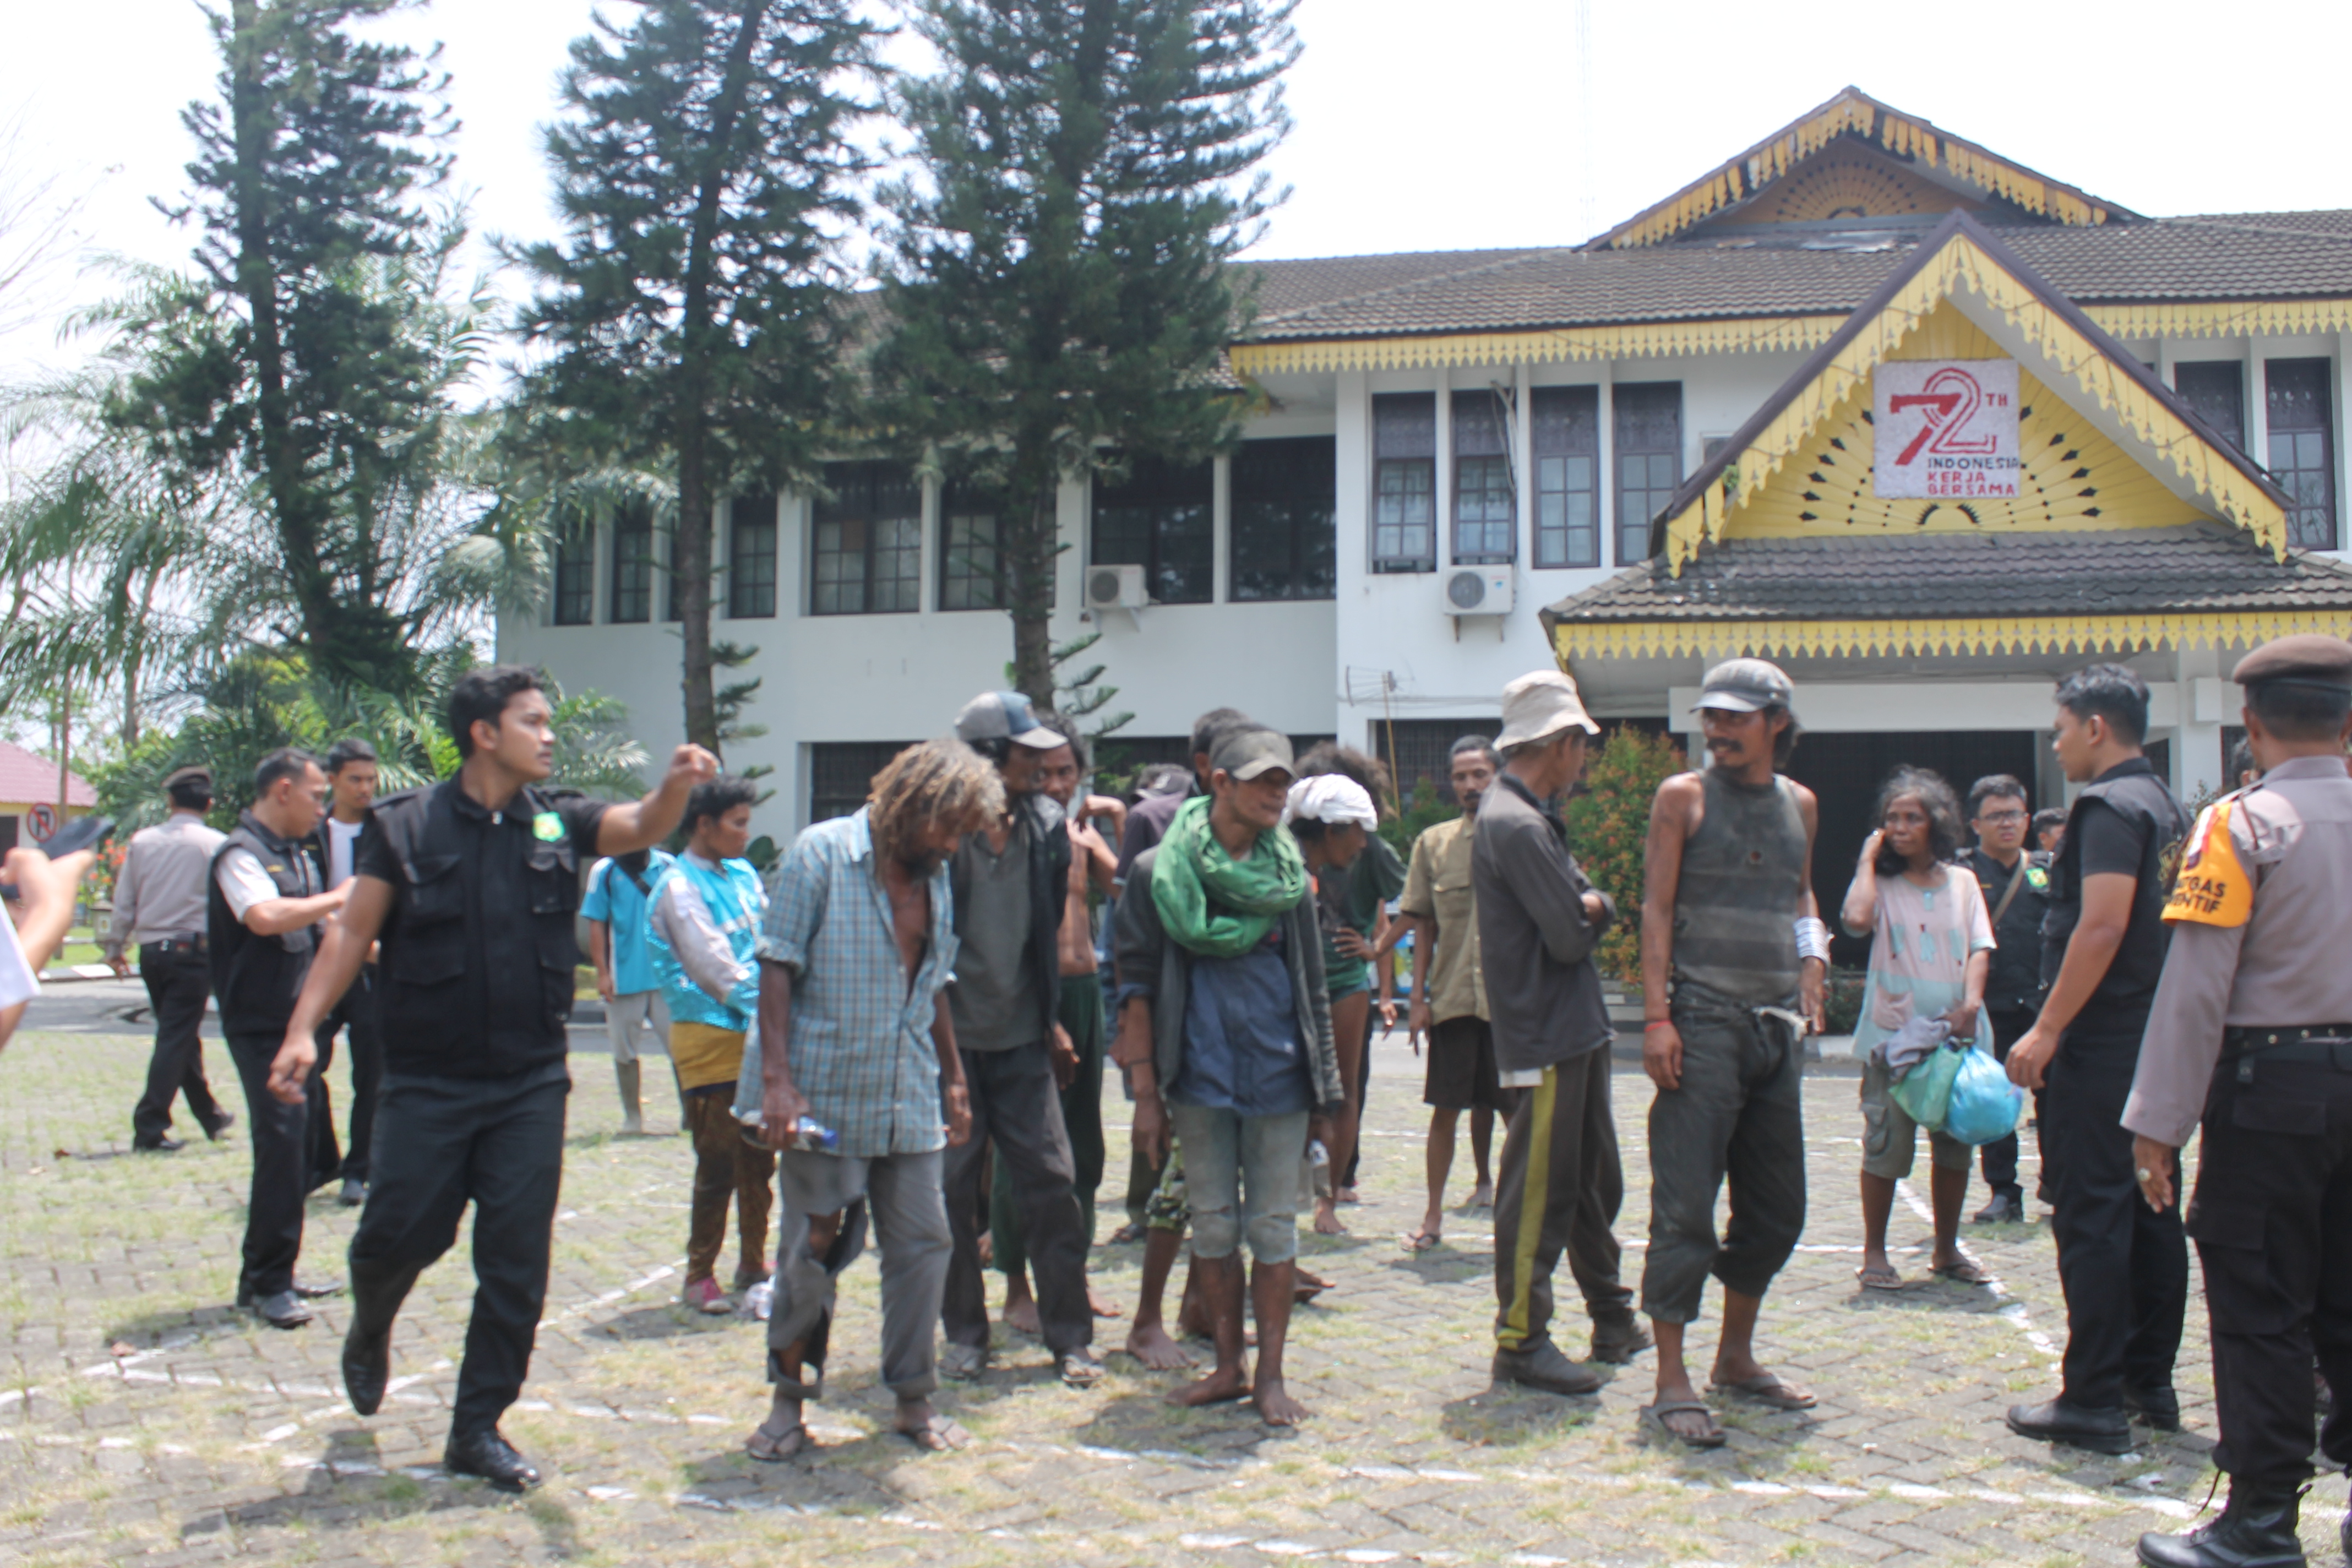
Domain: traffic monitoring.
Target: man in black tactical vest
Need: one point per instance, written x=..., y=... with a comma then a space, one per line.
x=472, y=885
x=2122, y=1266
x=264, y=903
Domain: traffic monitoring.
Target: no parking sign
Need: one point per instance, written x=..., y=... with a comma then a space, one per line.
x=41, y=822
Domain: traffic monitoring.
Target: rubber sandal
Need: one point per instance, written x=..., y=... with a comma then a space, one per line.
x=1125, y=1235
x=1771, y=1390
x=937, y=1435
x=961, y=1362
x=1962, y=1273
x=1654, y=1416
x=1421, y=1241
x=770, y=1448
x=1879, y=1278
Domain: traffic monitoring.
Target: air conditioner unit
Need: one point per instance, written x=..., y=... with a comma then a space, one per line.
x=1479, y=591
x=1116, y=588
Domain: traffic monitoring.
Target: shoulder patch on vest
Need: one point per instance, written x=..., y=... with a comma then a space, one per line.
x=548, y=826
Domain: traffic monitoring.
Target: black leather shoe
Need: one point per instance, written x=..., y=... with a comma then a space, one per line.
x=283, y=1311
x=2256, y=1530
x=2159, y=1407
x=367, y=1367
x=305, y=1288
x=1618, y=1338
x=156, y=1145
x=2100, y=1431
x=1542, y=1366
x=490, y=1458
x=2008, y=1208
x=219, y=1130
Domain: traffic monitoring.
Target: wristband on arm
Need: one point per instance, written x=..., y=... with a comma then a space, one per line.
x=1813, y=938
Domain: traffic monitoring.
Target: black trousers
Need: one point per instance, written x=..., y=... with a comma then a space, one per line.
x=498, y=1144
x=1557, y=1188
x=281, y=1160
x=355, y=1015
x=2272, y=1219
x=178, y=982
x=2000, y=1157
x=2124, y=1268
x=1016, y=1107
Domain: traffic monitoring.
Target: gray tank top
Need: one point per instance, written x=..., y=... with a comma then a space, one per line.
x=1743, y=874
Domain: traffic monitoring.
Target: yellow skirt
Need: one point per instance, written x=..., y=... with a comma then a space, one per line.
x=704, y=1055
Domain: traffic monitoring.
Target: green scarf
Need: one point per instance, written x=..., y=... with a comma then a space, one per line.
x=1194, y=869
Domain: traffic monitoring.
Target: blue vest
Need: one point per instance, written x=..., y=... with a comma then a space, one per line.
x=736, y=901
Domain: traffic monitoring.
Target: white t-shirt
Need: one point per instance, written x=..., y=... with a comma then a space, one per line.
x=340, y=838
x=243, y=881
x=18, y=981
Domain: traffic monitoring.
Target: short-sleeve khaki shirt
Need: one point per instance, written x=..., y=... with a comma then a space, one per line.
x=1437, y=887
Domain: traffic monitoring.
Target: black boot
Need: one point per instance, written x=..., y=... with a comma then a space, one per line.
x=2256, y=1530
x=377, y=1292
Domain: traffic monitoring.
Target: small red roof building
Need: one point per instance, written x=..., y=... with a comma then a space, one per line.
x=29, y=780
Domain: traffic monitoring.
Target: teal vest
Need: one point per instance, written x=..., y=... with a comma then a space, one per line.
x=737, y=902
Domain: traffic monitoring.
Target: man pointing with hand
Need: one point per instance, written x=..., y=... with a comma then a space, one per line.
x=472, y=885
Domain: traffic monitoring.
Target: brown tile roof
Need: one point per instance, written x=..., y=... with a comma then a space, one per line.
x=2254, y=256
x=1936, y=576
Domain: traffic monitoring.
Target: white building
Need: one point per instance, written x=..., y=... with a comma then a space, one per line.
x=1623, y=456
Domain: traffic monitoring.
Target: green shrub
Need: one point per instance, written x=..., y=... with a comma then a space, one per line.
x=1608, y=827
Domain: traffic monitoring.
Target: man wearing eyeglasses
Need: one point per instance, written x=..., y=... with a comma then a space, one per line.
x=2016, y=884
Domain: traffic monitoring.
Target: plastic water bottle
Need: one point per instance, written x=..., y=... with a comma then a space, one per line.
x=760, y=1300
x=815, y=1138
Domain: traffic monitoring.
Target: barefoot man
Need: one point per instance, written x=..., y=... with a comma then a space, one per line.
x=1733, y=956
x=854, y=1077
x=1223, y=1012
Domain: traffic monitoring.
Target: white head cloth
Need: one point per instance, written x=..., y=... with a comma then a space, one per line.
x=1331, y=797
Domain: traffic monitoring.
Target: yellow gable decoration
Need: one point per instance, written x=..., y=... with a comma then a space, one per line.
x=1804, y=467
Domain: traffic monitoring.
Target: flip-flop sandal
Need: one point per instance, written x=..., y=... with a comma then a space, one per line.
x=1879, y=1278
x=937, y=1435
x=1124, y=1235
x=962, y=1362
x=1655, y=1415
x=1771, y=1390
x=1962, y=1273
x=771, y=1449
x=1421, y=1241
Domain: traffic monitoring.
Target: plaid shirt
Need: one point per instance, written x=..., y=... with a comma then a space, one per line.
x=861, y=1038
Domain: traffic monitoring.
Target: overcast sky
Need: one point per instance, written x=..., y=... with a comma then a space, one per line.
x=1434, y=125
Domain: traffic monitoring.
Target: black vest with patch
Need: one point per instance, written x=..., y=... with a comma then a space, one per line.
x=479, y=952
x=256, y=978
x=2133, y=791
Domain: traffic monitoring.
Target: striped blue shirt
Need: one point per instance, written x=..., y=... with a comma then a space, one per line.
x=861, y=1036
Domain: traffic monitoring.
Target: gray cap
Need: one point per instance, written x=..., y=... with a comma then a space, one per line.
x=1253, y=750
x=1004, y=716
x=1747, y=686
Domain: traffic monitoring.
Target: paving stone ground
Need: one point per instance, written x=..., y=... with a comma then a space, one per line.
x=141, y=1419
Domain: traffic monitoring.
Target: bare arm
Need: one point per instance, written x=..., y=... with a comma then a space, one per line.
x=1859, y=913
x=1813, y=973
x=276, y=917
x=44, y=915
x=1963, y=1018
x=781, y=1105
x=1675, y=815
x=368, y=902
x=1099, y=860
x=642, y=824
x=599, y=953
x=955, y=1099
x=2098, y=937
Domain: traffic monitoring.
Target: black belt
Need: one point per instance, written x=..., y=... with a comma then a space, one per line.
x=187, y=942
x=2329, y=1044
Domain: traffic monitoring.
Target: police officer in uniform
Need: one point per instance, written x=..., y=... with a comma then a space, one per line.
x=2251, y=1037
x=472, y=885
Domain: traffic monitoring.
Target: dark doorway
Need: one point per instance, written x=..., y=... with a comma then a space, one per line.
x=1845, y=772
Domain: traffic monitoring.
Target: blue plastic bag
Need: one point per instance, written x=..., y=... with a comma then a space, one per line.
x=1984, y=1105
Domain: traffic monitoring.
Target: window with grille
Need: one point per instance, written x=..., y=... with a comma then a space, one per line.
x=866, y=541
x=1285, y=503
x=575, y=576
x=2302, y=450
x=2216, y=391
x=971, y=554
x=1565, y=431
x=1421, y=751
x=632, y=566
x=1649, y=461
x=1486, y=512
x=841, y=775
x=1160, y=518
x=751, y=558
x=1405, y=481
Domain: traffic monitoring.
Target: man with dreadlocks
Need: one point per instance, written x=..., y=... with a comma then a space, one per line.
x=855, y=1078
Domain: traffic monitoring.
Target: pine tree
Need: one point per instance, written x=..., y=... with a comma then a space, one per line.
x=1086, y=171
x=703, y=171
x=312, y=177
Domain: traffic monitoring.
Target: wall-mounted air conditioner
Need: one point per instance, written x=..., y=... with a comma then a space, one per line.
x=1478, y=591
